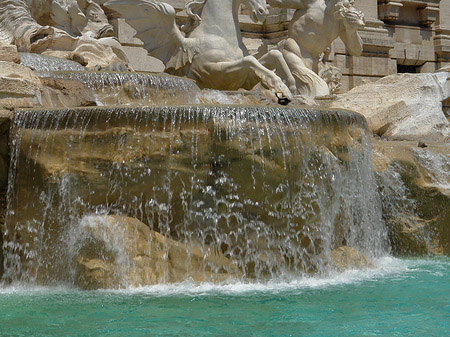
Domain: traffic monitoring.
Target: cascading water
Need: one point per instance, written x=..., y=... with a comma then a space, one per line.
x=44, y=64
x=116, y=88
x=227, y=191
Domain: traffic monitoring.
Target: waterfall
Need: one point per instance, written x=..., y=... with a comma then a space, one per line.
x=116, y=88
x=44, y=63
x=268, y=191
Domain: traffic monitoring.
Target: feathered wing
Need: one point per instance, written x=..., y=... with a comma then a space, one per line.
x=155, y=25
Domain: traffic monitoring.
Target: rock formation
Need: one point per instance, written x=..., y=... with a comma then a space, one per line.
x=116, y=251
x=402, y=106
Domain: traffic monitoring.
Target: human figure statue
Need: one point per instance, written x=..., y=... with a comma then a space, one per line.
x=314, y=26
x=209, y=49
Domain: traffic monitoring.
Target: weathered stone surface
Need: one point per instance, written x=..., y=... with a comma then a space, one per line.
x=116, y=251
x=94, y=52
x=19, y=86
x=344, y=258
x=66, y=93
x=180, y=170
x=8, y=53
x=402, y=106
x=415, y=188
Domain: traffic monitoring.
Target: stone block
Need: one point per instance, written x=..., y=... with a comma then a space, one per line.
x=428, y=15
x=389, y=11
x=139, y=60
x=125, y=33
x=349, y=82
x=17, y=80
x=365, y=66
x=428, y=67
x=8, y=52
x=415, y=55
x=403, y=106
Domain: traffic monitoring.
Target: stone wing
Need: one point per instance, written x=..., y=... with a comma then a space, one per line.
x=155, y=24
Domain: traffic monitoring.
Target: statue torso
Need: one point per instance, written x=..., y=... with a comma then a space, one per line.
x=312, y=29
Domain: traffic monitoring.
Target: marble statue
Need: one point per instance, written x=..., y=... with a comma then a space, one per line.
x=60, y=28
x=317, y=23
x=209, y=48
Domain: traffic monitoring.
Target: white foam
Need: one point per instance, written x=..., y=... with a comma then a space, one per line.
x=387, y=266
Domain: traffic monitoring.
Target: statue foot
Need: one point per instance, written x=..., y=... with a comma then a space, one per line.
x=282, y=100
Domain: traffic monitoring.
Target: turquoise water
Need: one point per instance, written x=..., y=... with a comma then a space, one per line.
x=399, y=298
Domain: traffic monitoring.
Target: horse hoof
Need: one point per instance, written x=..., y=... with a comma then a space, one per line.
x=282, y=100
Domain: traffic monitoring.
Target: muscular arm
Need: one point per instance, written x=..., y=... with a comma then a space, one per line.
x=294, y=4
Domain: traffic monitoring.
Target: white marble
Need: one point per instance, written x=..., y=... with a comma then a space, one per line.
x=209, y=49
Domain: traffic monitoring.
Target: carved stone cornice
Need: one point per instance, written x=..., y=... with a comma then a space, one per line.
x=389, y=11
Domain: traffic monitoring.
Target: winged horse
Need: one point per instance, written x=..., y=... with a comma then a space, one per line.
x=211, y=51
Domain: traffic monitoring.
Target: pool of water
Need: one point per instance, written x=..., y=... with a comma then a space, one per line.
x=408, y=297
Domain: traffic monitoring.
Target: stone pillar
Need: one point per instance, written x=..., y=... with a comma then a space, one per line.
x=442, y=37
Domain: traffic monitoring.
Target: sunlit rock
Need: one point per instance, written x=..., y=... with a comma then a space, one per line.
x=402, y=106
x=8, y=53
x=414, y=186
x=344, y=258
x=116, y=251
x=19, y=86
x=66, y=93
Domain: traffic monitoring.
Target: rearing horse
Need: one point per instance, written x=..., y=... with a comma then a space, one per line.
x=315, y=24
x=212, y=53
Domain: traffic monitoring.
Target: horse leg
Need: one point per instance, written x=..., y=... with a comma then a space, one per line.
x=274, y=60
x=307, y=81
x=254, y=72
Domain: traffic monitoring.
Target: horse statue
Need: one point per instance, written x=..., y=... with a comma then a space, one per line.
x=211, y=52
x=314, y=26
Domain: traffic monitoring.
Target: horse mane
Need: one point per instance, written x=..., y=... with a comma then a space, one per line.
x=352, y=15
x=193, y=10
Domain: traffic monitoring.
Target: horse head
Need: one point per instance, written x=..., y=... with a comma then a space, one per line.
x=257, y=8
x=350, y=21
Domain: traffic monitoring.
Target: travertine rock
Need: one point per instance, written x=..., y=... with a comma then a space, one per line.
x=414, y=184
x=19, y=86
x=345, y=257
x=8, y=53
x=101, y=52
x=402, y=106
x=117, y=251
x=66, y=93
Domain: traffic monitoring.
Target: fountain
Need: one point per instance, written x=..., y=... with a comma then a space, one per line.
x=141, y=203
x=234, y=191
x=152, y=187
